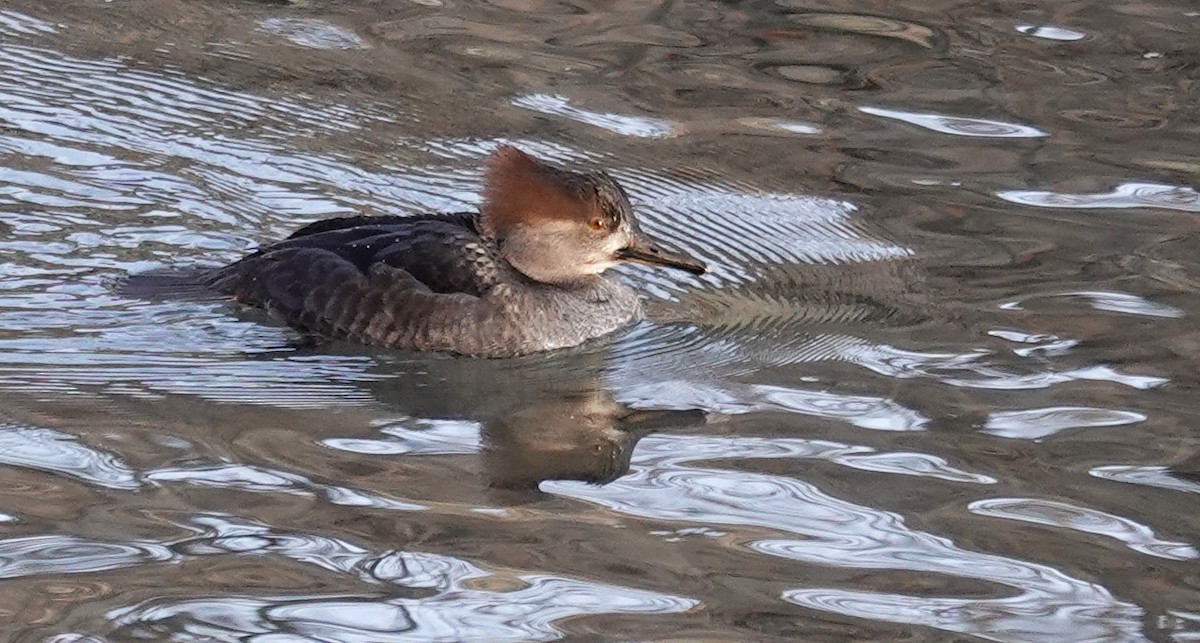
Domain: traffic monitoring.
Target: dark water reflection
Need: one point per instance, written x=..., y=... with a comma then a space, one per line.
x=938, y=385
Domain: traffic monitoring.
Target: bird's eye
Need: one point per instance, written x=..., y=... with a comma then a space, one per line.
x=597, y=223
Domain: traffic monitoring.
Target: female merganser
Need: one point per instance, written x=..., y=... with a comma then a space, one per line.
x=525, y=274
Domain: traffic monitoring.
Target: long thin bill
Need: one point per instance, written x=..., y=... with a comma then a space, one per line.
x=646, y=251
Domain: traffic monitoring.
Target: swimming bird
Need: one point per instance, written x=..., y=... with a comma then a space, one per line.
x=526, y=273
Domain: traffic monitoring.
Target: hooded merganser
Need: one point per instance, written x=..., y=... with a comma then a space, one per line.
x=523, y=275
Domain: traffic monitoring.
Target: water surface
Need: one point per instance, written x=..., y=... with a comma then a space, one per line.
x=938, y=385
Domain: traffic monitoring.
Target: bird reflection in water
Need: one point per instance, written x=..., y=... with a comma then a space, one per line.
x=586, y=436
x=544, y=417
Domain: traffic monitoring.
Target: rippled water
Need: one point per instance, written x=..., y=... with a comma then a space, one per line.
x=938, y=385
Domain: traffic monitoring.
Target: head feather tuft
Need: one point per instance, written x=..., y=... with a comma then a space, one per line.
x=519, y=189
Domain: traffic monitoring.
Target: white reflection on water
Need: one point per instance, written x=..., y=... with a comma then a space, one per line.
x=1148, y=475
x=958, y=125
x=664, y=484
x=313, y=33
x=54, y=452
x=1117, y=302
x=62, y=554
x=1035, y=424
x=253, y=478
x=18, y=23
x=415, y=437
x=1126, y=195
x=1134, y=535
x=1051, y=32
x=866, y=412
x=636, y=126
x=460, y=606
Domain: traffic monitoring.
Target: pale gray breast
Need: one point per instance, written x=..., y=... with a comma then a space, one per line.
x=551, y=317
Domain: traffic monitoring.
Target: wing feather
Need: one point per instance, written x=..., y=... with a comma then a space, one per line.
x=319, y=291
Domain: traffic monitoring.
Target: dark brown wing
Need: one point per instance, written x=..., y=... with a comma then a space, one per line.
x=318, y=291
x=463, y=219
x=443, y=252
x=419, y=283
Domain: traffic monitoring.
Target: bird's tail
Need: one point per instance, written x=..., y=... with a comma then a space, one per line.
x=189, y=284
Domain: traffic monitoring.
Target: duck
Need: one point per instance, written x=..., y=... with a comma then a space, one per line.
x=528, y=272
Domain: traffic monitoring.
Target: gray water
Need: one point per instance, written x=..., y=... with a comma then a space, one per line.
x=939, y=384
